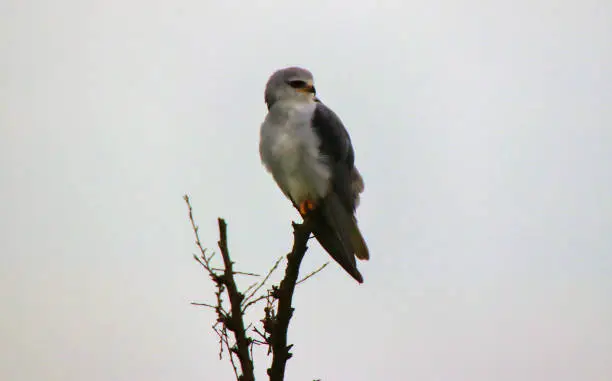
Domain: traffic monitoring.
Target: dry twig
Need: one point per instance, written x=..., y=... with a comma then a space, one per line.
x=313, y=273
x=234, y=319
x=278, y=310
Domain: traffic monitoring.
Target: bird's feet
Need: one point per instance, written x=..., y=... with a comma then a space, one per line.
x=306, y=206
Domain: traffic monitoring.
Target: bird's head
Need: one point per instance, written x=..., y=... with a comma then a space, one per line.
x=292, y=83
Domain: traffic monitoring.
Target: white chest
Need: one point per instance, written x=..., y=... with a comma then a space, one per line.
x=288, y=136
x=289, y=148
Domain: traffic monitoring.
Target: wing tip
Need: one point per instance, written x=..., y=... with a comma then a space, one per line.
x=358, y=242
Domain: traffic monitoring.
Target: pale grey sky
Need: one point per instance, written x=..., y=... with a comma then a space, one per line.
x=483, y=131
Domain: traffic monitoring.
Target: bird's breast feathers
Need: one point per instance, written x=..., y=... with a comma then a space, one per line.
x=289, y=149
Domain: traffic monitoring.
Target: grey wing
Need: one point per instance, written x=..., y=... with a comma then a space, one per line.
x=339, y=205
x=337, y=149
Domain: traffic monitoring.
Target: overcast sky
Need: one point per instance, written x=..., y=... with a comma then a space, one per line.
x=483, y=130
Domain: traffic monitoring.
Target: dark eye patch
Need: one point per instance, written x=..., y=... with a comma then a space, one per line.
x=298, y=84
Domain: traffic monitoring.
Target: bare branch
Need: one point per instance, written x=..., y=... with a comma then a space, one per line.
x=277, y=326
x=278, y=310
x=250, y=288
x=235, y=321
x=237, y=272
x=313, y=273
x=278, y=261
x=204, y=305
x=195, y=228
x=224, y=341
x=254, y=301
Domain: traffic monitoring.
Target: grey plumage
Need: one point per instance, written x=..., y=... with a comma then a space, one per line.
x=308, y=151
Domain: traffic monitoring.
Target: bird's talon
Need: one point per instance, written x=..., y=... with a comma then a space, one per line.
x=306, y=206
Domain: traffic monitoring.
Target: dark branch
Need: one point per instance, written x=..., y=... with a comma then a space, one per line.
x=277, y=325
x=278, y=310
x=235, y=321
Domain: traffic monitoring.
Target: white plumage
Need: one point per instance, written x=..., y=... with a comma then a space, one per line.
x=289, y=149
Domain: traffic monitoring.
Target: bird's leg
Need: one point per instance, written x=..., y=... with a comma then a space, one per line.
x=306, y=206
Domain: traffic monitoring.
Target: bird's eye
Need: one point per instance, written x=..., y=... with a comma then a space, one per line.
x=297, y=84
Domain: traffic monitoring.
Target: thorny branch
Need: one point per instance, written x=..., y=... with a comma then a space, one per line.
x=277, y=326
x=232, y=320
x=278, y=310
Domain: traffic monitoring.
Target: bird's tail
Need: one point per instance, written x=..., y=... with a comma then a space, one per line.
x=337, y=231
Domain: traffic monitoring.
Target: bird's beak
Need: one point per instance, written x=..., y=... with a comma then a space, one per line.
x=309, y=89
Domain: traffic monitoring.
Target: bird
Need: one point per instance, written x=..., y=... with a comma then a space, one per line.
x=308, y=151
